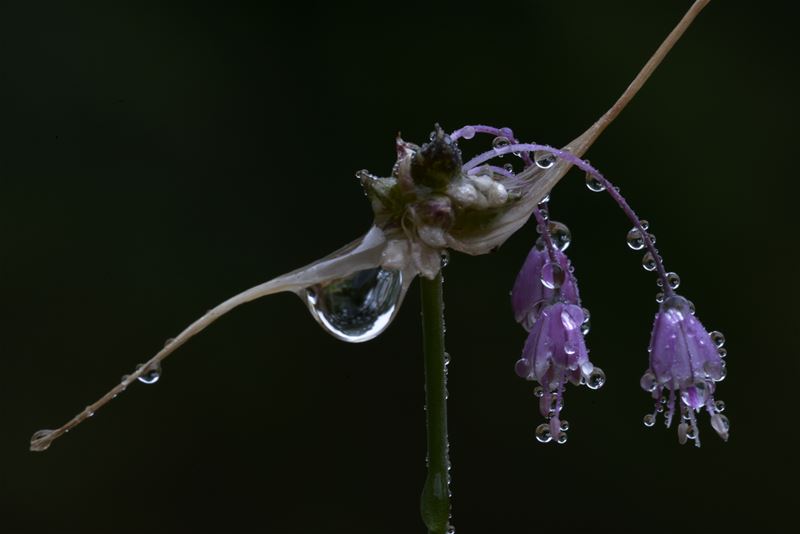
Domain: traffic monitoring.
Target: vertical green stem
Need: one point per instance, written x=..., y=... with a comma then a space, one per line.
x=435, y=502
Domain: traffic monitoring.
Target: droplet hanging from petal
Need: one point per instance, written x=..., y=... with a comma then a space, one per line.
x=358, y=307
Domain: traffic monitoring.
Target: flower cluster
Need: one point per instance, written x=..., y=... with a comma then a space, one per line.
x=686, y=361
x=546, y=302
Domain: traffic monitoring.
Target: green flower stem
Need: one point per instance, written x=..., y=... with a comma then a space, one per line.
x=435, y=502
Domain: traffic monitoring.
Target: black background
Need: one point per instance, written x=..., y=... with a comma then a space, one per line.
x=157, y=159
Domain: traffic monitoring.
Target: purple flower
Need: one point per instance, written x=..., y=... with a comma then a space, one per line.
x=555, y=353
x=531, y=292
x=686, y=361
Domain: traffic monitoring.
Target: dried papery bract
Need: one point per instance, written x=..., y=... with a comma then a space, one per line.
x=428, y=205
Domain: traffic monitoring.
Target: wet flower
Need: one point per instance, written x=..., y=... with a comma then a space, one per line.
x=538, y=282
x=554, y=354
x=686, y=362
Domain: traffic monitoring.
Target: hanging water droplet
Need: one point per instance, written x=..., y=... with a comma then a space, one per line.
x=648, y=381
x=596, y=378
x=358, y=307
x=652, y=239
x=543, y=433
x=544, y=160
x=585, y=327
x=691, y=432
x=649, y=262
x=538, y=392
x=717, y=338
x=560, y=235
x=719, y=406
x=690, y=304
x=41, y=440
x=722, y=351
x=499, y=142
x=660, y=297
x=552, y=276
x=468, y=132
x=562, y=438
x=635, y=239
x=649, y=420
x=594, y=184
x=564, y=426
x=151, y=374
x=644, y=224
x=508, y=167
x=673, y=280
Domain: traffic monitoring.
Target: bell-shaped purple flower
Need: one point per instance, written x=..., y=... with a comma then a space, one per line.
x=685, y=364
x=555, y=353
x=538, y=282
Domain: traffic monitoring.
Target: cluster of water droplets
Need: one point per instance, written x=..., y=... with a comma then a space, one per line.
x=554, y=429
x=637, y=239
x=701, y=392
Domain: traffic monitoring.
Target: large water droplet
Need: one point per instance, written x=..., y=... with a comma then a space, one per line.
x=543, y=433
x=151, y=374
x=596, y=379
x=717, y=338
x=562, y=438
x=544, y=160
x=594, y=184
x=635, y=239
x=500, y=141
x=648, y=381
x=649, y=420
x=358, y=307
x=719, y=406
x=560, y=234
x=553, y=275
x=673, y=280
x=649, y=262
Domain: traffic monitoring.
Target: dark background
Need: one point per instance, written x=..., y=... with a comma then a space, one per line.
x=157, y=159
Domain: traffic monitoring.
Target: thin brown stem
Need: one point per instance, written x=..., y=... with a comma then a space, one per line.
x=582, y=143
x=42, y=439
